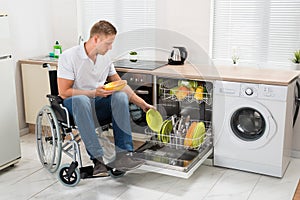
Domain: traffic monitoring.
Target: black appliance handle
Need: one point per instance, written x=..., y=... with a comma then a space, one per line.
x=297, y=100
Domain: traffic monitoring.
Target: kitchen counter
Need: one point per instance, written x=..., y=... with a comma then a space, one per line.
x=40, y=60
x=234, y=74
x=188, y=71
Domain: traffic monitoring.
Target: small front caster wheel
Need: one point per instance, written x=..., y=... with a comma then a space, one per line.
x=115, y=173
x=68, y=176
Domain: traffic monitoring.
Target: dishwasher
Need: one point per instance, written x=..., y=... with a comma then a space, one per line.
x=186, y=109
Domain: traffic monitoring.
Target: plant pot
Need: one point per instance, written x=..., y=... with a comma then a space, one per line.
x=133, y=58
x=295, y=66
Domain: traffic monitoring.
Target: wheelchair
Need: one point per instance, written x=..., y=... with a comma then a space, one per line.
x=56, y=132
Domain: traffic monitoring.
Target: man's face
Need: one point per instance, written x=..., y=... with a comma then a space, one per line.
x=104, y=43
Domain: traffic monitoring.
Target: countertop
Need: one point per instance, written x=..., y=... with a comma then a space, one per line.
x=210, y=73
x=40, y=60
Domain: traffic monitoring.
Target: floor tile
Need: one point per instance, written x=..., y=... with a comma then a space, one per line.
x=278, y=188
x=233, y=185
x=28, y=186
x=197, y=186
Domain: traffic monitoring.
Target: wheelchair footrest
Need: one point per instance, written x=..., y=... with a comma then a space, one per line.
x=87, y=172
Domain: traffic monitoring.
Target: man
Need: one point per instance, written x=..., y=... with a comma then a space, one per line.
x=82, y=72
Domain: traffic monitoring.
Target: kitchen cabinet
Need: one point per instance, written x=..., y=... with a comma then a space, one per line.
x=35, y=88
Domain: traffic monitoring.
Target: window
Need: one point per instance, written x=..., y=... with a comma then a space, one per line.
x=264, y=33
x=125, y=15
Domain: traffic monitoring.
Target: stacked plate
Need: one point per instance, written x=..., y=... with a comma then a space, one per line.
x=195, y=135
x=156, y=124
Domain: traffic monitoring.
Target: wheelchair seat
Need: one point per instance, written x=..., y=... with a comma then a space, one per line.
x=56, y=101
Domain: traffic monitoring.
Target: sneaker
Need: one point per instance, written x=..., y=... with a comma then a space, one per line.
x=125, y=162
x=99, y=168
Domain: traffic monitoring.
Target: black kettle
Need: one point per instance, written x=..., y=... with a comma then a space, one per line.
x=177, y=56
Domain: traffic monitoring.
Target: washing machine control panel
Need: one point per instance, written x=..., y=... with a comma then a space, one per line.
x=273, y=92
x=251, y=90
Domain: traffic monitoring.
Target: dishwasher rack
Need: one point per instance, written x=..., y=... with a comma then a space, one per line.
x=180, y=141
x=169, y=91
x=168, y=94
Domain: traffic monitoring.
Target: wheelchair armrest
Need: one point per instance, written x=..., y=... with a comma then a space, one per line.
x=56, y=98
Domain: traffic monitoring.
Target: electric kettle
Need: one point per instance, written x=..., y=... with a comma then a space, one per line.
x=177, y=56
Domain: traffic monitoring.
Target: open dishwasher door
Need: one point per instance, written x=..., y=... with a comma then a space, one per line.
x=184, y=141
x=174, y=159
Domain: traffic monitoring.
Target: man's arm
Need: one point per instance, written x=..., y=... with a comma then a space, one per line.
x=65, y=89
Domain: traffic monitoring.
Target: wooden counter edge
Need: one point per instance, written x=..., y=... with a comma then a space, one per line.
x=37, y=62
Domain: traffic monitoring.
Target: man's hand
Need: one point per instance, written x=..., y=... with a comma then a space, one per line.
x=101, y=92
x=147, y=106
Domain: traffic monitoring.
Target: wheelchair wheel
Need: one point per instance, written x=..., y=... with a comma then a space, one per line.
x=48, y=137
x=115, y=173
x=68, y=176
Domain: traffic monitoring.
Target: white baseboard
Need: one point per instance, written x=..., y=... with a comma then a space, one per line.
x=24, y=131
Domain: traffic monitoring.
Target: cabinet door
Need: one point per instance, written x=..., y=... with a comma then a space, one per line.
x=36, y=86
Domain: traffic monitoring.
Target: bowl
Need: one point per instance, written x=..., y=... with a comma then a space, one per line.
x=115, y=85
x=154, y=120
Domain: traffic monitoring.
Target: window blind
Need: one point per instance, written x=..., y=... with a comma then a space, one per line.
x=125, y=15
x=264, y=33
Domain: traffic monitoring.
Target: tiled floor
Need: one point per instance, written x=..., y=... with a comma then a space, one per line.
x=28, y=180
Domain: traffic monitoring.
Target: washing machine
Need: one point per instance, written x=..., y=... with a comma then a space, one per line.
x=253, y=126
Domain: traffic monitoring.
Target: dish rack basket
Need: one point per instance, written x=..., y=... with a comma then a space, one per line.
x=180, y=141
x=170, y=94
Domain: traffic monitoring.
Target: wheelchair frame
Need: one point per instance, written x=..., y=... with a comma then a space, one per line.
x=53, y=125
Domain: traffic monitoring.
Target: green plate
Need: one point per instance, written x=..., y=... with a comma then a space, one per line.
x=165, y=131
x=159, y=134
x=154, y=120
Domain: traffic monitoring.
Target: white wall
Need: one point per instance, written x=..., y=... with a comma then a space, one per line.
x=64, y=19
x=189, y=26
x=190, y=18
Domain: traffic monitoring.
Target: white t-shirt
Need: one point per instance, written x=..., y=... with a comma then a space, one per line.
x=74, y=64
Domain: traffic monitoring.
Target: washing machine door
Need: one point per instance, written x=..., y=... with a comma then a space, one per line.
x=251, y=124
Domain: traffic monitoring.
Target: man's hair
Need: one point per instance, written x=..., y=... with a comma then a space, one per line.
x=103, y=27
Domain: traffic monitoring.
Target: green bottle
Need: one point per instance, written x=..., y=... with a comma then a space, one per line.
x=57, y=50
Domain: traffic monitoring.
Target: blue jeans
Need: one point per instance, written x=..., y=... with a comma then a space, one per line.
x=88, y=112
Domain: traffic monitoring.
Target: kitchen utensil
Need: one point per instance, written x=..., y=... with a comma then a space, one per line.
x=154, y=120
x=172, y=134
x=179, y=128
x=177, y=56
x=187, y=122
